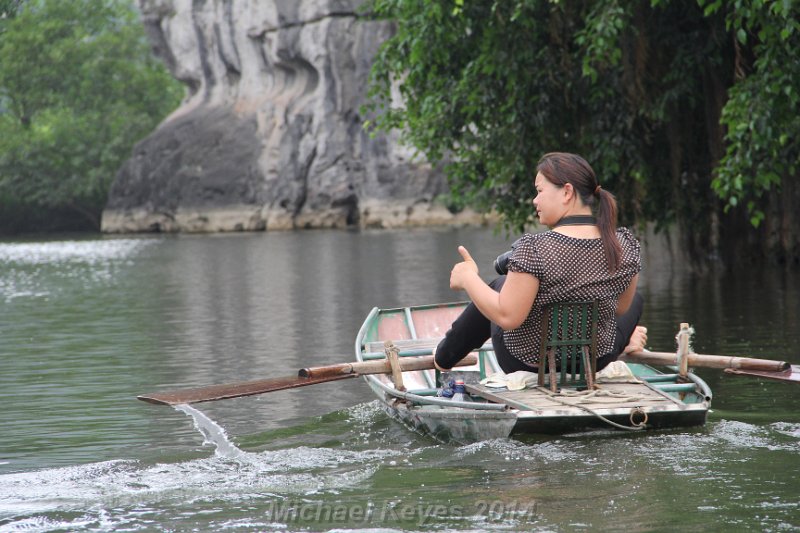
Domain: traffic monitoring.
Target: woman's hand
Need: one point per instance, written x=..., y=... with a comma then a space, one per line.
x=508, y=308
x=462, y=271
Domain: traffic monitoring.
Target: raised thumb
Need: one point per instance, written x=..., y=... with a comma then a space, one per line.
x=465, y=254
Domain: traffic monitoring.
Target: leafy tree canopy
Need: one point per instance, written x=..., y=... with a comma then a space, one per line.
x=78, y=88
x=676, y=104
x=761, y=115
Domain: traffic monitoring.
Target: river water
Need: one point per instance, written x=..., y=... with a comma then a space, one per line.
x=89, y=323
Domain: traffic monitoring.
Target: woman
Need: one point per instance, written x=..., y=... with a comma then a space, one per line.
x=583, y=257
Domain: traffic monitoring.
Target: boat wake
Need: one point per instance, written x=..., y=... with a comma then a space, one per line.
x=128, y=494
x=788, y=429
x=135, y=493
x=233, y=488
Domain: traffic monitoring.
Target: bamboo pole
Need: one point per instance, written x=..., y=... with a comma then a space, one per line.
x=707, y=361
x=683, y=350
x=380, y=366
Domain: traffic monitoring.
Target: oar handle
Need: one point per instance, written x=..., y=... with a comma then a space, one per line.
x=378, y=366
x=326, y=371
x=708, y=361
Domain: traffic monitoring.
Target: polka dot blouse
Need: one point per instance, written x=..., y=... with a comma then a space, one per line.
x=570, y=269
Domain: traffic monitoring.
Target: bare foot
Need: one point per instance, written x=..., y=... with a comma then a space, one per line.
x=637, y=341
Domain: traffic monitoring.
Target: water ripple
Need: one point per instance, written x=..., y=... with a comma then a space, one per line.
x=786, y=428
x=125, y=483
x=30, y=269
x=90, y=252
x=748, y=436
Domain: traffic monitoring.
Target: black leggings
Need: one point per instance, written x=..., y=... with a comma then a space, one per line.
x=471, y=330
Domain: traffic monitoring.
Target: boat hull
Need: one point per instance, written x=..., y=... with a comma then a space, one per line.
x=653, y=400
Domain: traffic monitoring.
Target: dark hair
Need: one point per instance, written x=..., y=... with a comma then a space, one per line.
x=561, y=168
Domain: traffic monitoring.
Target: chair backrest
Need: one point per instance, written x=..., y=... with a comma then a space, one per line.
x=569, y=344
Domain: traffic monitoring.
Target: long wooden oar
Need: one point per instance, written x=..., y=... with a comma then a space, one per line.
x=765, y=368
x=790, y=374
x=306, y=376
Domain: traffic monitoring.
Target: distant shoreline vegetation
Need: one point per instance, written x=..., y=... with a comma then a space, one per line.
x=79, y=86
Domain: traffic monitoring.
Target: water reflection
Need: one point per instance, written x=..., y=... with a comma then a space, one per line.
x=250, y=305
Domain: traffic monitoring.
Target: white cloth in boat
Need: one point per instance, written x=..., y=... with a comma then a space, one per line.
x=514, y=381
x=616, y=371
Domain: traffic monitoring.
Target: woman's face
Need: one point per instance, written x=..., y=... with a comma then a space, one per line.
x=549, y=201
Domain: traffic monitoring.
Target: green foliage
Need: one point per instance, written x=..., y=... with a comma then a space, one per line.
x=761, y=115
x=8, y=10
x=468, y=93
x=78, y=88
x=650, y=93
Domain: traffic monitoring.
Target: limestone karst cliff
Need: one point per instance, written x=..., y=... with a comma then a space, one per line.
x=270, y=134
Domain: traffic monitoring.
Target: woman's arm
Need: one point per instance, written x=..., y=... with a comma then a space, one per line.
x=508, y=308
x=626, y=298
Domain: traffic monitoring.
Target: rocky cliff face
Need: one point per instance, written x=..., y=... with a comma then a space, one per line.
x=270, y=135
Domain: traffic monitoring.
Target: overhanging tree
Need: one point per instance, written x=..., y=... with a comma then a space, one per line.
x=667, y=99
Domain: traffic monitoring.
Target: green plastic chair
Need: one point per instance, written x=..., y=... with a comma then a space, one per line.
x=569, y=349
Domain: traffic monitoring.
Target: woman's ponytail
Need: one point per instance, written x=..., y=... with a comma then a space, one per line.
x=606, y=215
x=561, y=168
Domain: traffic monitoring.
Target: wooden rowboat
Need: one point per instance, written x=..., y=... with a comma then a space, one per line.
x=653, y=400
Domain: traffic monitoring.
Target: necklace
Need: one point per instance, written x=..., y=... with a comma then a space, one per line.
x=576, y=220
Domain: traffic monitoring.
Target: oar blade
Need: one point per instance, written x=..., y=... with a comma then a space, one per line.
x=792, y=374
x=235, y=390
